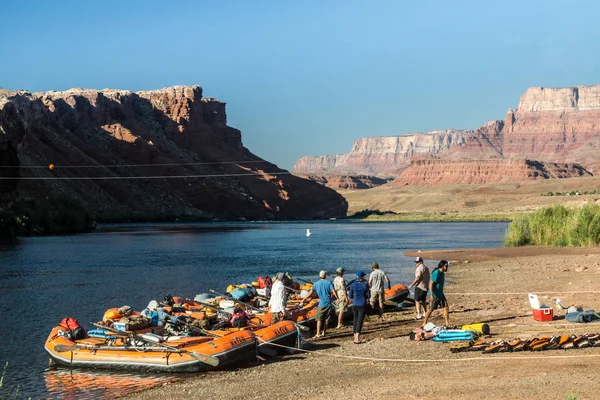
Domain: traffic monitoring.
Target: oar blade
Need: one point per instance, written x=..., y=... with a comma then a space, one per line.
x=205, y=358
x=303, y=328
x=61, y=348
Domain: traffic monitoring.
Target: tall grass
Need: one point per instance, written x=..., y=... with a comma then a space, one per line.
x=556, y=226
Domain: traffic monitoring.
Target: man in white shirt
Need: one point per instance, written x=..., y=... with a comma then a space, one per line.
x=278, y=299
x=339, y=284
x=421, y=284
x=377, y=281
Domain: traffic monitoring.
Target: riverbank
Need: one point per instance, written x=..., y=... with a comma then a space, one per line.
x=385, y=365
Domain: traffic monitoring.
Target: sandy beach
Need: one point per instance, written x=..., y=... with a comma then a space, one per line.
x=488, y=285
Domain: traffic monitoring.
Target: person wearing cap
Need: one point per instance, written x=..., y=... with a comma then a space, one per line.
x=278, y=299
x=436, y=288
x=421, y=283
x=359, y=293
x=324, y=290
x=377, y=281
x=339, y=284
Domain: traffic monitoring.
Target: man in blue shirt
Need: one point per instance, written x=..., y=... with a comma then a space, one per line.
x=324, y=289
x=436, y=290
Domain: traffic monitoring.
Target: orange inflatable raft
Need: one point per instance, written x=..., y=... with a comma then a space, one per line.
x=277, y=337
x=184, y=354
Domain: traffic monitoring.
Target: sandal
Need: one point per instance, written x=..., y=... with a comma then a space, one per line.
x=359, y=342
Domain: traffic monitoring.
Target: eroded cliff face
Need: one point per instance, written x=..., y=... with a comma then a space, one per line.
x=553, y=126
x=347, y=181
x=468, y=171
x=382, y=156
x=559, y=125
x=131, y=142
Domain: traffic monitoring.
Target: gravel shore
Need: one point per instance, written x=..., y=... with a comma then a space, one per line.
x=389, y=365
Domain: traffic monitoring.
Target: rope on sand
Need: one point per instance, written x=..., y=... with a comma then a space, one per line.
x=404, y=360
x=519, y=293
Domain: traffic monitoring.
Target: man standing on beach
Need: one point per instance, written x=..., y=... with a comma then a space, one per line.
x=436, y=287
x=422, y=284
x=339, y=284
x=324, y=289
x=377, y=280
x=278, y=299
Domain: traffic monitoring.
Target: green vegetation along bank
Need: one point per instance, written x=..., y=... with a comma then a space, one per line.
x=556, y=226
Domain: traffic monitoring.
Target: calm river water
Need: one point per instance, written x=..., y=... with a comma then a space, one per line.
x=44, y=279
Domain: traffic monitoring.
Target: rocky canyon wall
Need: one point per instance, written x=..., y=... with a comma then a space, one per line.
x=468, y=171
x=552, y=126
x=558, y=125
x=166, y=152
x=382, y=156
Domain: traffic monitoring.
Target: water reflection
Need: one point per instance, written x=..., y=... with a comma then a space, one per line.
x=77, y=384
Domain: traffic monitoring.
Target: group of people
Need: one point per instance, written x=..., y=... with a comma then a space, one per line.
x=363, y=292
x=360, y=291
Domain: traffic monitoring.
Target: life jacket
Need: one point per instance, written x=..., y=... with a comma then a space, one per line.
x=238, y=319
x=112, y=314
x=264, y=283
x=73, y=328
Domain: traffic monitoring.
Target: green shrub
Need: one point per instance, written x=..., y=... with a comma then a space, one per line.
x=556, y=226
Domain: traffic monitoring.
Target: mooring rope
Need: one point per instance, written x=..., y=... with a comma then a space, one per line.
x=519, y=293
x=440, y=360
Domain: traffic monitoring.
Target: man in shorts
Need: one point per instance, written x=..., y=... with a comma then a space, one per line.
x=339, y=284
x=436, y=288
x=377, y=281
x=421, y=284
x=324, y=289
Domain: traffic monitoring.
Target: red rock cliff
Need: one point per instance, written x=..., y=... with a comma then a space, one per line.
x=137, y=139
x=558, y=125
x=467, y=171
x=382, y=156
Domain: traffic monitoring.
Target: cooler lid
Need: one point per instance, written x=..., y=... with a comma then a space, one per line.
x=534, y=301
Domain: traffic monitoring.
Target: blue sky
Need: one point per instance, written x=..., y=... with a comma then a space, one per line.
x=308, y=77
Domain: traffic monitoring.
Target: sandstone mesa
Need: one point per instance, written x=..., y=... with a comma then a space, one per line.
x=553, y=133
x=168, y=132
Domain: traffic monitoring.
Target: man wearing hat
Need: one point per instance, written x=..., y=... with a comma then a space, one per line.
x=359, y=293
x=421, y=284
x=339, y=284
x=324, y=289
x=278, y=299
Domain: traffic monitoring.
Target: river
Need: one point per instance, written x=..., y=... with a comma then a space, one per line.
x=44, y=279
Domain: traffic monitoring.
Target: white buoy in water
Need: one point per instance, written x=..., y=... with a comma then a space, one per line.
x=308, y=233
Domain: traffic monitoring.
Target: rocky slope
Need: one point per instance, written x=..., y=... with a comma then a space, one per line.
x=469, y=171
x=559, y=125
x=382, y=156
x=347, y=181
x=115, y=149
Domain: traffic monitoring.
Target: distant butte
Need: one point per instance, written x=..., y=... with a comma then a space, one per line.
x=553, y=133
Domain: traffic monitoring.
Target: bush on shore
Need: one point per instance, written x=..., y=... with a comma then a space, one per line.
x=55, y=215
x=556, y=226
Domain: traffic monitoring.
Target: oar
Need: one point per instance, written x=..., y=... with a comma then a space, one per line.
x=205, y=358
x=264, y=350
x=301, y=327
x=74, y=347
x=237, y=301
